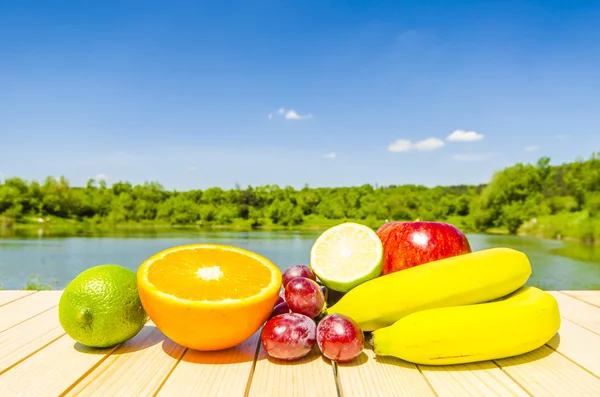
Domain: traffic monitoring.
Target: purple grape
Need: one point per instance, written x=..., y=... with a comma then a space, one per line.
x=289, y=336
x=304, y=296
x=297, y=271
x=340, y=338
x=279, y=300
x=280, y=309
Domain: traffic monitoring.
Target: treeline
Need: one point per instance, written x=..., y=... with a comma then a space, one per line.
x=514, y=196
x=550, y=201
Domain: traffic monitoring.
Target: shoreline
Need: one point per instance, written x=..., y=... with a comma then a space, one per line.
x=71, y=228
x=571, y=248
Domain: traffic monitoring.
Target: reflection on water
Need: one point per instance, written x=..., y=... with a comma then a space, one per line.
x=556, y=265
x=150, y=232
x=586, y=253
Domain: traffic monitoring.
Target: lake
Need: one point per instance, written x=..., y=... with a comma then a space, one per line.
x=556, y=265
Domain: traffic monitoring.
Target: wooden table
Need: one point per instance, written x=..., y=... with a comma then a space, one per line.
x=38, y=359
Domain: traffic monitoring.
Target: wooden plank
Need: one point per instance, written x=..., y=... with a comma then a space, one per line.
x=579, y=312
x=219, y=373
x=592, y=297
x=473, y=379
x=381, y=376
x=311, y=375
x=139, y=367
x=578, y=344
x=52, y=370
x=136, y=368
x=543, y=372
x=27, y=307
x=10, y=295
x=20, y=341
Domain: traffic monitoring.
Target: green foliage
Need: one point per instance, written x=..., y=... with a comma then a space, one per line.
x=523, y=192
x=514, y=198
x=35, y=284
x=592, y=203
x=269, y=205
x=561, y=204
x=573, y=226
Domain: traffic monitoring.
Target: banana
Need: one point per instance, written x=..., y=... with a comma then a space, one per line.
x=475, y=277
x=522, y=322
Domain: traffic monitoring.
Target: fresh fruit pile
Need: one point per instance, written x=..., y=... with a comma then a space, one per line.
x=414, y=290
x=419, y=290
x=202, y=296
x=291, y=331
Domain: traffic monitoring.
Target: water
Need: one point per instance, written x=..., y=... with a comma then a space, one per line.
x=556, y=265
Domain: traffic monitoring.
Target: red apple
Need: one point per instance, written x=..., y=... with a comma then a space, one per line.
x=409, y=244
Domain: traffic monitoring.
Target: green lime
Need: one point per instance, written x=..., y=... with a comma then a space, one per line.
x=347, y=255
x=101, y=306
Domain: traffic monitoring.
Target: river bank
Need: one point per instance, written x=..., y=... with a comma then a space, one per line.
x=57, y=227
x=574, y=227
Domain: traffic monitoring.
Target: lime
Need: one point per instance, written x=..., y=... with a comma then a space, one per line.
x=347, y=255
x=101, y=306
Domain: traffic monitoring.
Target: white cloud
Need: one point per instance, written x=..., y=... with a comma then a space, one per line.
x=531, y=148
x=400, y=145
x=404, y=145
x=472, y=158
x=464, y=136
x=429, y=144
x=331, y=155
x=191, y=168
x=101, y=177
x=290, y=114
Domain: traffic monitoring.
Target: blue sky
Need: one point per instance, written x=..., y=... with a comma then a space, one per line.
x=213, y=93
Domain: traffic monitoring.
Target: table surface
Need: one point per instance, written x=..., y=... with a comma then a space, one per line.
x=38, y=359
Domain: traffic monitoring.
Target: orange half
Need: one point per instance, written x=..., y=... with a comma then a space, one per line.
x=207, y=296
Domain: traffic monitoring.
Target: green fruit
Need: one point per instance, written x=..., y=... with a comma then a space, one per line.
x=101, y=307
x=347, y=255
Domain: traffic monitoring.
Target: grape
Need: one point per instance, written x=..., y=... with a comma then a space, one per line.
x=289, y=336
x=297, y=271
x=340, y=338
x=279, y=300
x=280, y=309
x=304, y=296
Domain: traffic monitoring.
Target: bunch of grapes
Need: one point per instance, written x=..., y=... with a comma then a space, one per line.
x=291, y=331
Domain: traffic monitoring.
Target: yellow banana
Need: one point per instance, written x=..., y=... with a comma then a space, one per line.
x=475, y=277
x=524, y=321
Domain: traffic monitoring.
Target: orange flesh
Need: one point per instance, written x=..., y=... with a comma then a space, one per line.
x=178, y=274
